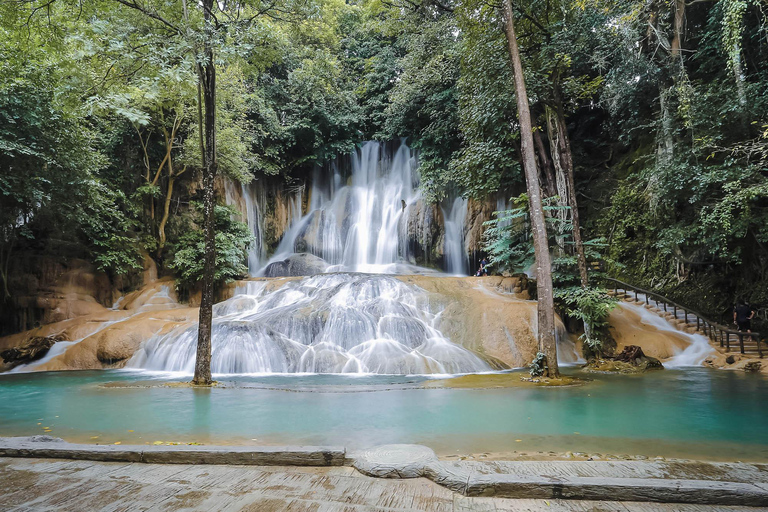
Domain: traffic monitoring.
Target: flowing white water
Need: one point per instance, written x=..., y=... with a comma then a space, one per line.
x=330, y=323
x=693, y=355
x=255, y=221
x=361, y=223
x=457, y=259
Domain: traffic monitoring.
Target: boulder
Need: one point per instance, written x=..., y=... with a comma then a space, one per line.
x=630, y=360
x=303, y=264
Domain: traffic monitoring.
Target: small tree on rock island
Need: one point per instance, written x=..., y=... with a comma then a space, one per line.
x=546, y=306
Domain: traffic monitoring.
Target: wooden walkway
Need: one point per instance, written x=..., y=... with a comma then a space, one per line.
x=44, y=485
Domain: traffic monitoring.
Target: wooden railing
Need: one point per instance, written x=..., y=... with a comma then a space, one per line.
x=716, y=332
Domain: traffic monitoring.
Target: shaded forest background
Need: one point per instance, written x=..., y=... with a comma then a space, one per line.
x=663, y=104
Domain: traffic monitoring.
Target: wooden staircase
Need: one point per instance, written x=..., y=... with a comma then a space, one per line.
x=687, y=320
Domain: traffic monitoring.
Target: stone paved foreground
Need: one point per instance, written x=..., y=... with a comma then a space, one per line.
x=64, y=485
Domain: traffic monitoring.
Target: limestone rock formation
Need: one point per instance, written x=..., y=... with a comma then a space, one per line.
x=627, y=328
x=422, y=227
x=32, y=349
x=303, y=264
x=630, y=360
x=473, y=314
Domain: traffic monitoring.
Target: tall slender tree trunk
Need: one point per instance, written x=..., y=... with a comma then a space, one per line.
x=561, y=181
x=566, y=160
x=545, y=306
x=545, y=166
x=208, y=77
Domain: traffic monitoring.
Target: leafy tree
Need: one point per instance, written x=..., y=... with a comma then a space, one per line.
x=232, y=240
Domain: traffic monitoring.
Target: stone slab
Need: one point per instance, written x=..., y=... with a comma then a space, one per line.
x=618, y=489
x=394, y=460
x=38, y=485
x=695, y=483
x=55, y=448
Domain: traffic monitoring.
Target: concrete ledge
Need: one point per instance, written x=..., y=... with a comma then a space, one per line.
x=703, y=492
x=694, y=483
x=54, y=448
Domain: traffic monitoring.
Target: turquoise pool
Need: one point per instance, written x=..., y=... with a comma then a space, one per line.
x=697, y=413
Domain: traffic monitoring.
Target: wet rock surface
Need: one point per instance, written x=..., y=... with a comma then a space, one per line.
x=630, y=360
x=33, y=349
x=302, y=264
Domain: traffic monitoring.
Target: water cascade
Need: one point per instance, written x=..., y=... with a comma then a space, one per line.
x=693, y=355
x=255, y=220
x=330, y=323
x=361, y=222
x=367, y=216
x=457, y=260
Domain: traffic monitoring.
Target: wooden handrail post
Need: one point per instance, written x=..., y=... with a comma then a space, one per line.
x=728, y=341
x=741, y=342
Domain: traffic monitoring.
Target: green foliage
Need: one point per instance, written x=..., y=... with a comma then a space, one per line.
x=52, y=193
x=592, y=306
x=232, y=240
x=507, y=237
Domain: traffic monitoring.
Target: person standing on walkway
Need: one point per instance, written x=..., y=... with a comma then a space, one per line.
x=742, y=316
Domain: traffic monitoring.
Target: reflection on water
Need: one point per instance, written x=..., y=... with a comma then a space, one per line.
x=693, y=413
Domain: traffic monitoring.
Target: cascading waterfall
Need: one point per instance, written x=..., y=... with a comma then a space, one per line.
x=255, y=221
x=335, y=322
x=693, y=355
x=457, y=260
x=330, y=323
x=357, y=224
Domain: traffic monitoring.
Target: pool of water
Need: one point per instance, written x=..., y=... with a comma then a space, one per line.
x=696, y=413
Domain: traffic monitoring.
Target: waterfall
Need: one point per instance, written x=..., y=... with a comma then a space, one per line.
x=367, y=217
x=457, y=260
x=693, y=355
x=255, y=221
x=330, y=323
x=360, y=220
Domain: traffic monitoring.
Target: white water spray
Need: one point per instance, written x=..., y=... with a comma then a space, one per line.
x=693, y=355
x=331, y=323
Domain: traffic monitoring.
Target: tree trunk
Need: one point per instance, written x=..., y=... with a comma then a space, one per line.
x=545, y=306
x=561, y=181
x=208, y=72
x=166, y=213
x=546, y=170
x=676, y=44
x=566, y=160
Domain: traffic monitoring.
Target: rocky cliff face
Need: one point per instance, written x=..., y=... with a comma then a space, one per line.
x=45, y=290
x=422, y=229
